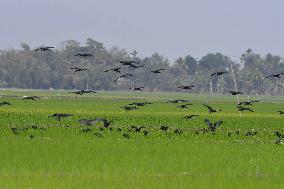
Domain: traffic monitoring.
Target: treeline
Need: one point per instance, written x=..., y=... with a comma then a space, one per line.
x=28, y=69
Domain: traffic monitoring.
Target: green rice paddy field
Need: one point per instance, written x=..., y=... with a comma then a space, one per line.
x=46, y=153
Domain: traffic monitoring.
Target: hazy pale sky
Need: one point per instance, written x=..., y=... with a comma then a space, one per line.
x=171, y=27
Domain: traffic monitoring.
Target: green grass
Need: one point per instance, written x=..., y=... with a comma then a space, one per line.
x=62, y=156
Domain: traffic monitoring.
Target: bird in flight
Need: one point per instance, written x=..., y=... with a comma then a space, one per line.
x=280, y=112
x=241, y=109
x=79, y=69
x=134, y=66
x=129, y=107
x=213, y=126
x=177, y=101
x=235, y=92
x=59, y=116
x=43, y=48
x=139, y=103
x=248, y=103
x=278, y=75
x=186, y=87
x=190, y=116
x=114, y=70
x=5, y=104
x=218, y=74
x=183, y=106
x=84, y=55
x=128, y=63
x=158, y=70
x=123, y=76
x=137, y=88
x=31, y=98
x=210, y=109
x=81, y=92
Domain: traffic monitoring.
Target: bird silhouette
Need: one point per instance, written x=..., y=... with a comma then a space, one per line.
x=84, y=55
x=213, y=126
x=79, y=69
x=210, y=109
x=158, y=71
x=280, y=137
x=81, y=92
x=129, y=107
x=278, y=75
x=135, y=66
x=5, y=104
x=59, y=116
x=183, y=106
x=43, y=48
x=114, y=70
x=248, y=103
x=280, y=112
x=235, y=92
x=128, y=63
x=31, y=98
x=123, y=76
x=177, y=101
x=186, y=87
x=218, y=74
x=241, y=109
x=190, y=116
x=136, y=129
x=137, y=88
x=164, y=128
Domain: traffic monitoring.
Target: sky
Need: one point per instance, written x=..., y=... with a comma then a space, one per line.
x=173, y=28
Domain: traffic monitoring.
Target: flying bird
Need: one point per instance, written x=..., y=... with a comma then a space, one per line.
x=31, y=98
x=139, y=103
x=210, y=109
x=123, y=76
x=248, y=103
x=114, y=70
x=190, y=116
x=241, y=109
x=278, y=75
x=235, y=92
x=129, y=107
x=5, y=104
x=59, y=116
x=79, y=69
x=158, y=70
x=213, y=126
x=128, y=63
x=218, y=74
x=134, y=66
x=183, y=106
x=137, y=88
x=43, y=48
x=81, y=92
x=186, y=87
x=84, y=55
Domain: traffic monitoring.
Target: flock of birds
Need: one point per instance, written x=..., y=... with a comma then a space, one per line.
x=183, y=104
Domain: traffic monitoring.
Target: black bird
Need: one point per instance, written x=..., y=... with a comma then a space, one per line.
x=105, y=121
x=59, y=116
x=128, y=63
x=140, y=103
x=137, y=88
x=190, y=117
x=164, y=128
x=280, y=112
x=210, y=109
x=129, y=107
x=81, y=92
x=158, y=70
x=31, y=98
x=218, y=73
x=177, y=101
x=235, y=92
x=280, y=137
x=183, y=106
x=5, y=104
x=136, y=129
x=241, y=109
x=178, y=131
x=84, y=55
x=134, y=66
x=248, y=103
x=278, y=75
x=145, y=133
x=123, y=76
x=186, y=87
x=43, y=48
x=114, y=70
x=251, y=133
x=79, y=69
x=213, y=126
